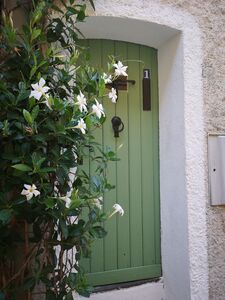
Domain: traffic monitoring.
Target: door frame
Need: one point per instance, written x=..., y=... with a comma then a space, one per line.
x=183, y=141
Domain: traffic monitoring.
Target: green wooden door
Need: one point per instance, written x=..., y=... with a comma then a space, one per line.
x=131, y=250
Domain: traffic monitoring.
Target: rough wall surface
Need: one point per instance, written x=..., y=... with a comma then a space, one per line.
x=210, y=16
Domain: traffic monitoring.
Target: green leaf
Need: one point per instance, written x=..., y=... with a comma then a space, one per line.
x=37, y=160
x=47, y=170
x=50, y=202
x=98, y=232
x=35, y=33
x=101, y=86
x=64, y=228
x=22, y=167
x=2, y=296
x=35, y=112
x=6, y=216
x=72, y=10
x=81, y=15
x=33, y=71
x=27, y=116
x=23, y=93
x=75, y=203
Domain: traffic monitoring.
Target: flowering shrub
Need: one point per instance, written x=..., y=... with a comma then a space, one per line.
x=50, y=103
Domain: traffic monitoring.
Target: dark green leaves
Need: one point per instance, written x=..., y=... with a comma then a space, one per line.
x=35, y=33
x=5, y=216
x=98, y=232
x=41, y=147
x=35, y=112
x=23, y=92
x=27, y=116
x=22, y=167
x=64, y=228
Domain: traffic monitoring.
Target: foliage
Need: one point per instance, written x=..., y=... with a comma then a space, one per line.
x=45, y=135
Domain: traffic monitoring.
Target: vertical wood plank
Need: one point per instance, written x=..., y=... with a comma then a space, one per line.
x=110, y=241
x=156, y=153
x=122, y=184
x=135, y=176
x=147, y=171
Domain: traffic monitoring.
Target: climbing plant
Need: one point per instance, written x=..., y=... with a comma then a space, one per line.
x=50, y=105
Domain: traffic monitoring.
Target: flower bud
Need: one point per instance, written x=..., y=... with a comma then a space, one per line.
x=29, y=130
x=10, y=19
x=3, y=17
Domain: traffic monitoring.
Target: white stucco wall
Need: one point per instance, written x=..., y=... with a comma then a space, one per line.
x=182, y=135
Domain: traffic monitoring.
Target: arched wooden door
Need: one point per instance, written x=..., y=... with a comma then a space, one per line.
x=131, y=250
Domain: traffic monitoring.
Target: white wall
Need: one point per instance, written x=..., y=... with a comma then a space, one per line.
x=175, y=257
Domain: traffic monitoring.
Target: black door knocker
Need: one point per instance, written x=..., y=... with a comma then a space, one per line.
x=117, y=125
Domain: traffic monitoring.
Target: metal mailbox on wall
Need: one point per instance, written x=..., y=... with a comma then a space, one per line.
x=216, y=154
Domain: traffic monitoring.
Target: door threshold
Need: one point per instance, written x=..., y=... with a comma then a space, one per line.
x=123, y=285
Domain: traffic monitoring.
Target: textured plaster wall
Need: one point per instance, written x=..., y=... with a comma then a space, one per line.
x=210, y=16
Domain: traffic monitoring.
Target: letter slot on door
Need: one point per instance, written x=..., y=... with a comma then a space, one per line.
x=216, y=155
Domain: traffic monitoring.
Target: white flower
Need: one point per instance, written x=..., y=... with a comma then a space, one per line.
x=81, y=125
x=67, y=200
x=118, y=209
x=120, y=69
x=30, y=191
x=98, y=109
x=107, y=78
x=113, y=95
x=98, y=202
x=82, y=102
x=39, y=89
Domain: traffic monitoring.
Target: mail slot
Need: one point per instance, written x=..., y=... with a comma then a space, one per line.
x=216, y=155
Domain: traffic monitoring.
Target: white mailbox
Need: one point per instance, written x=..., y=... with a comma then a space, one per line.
x=216, y=151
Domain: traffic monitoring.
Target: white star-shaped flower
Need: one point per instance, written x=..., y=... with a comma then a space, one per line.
x=118, y=209
x=30, y=191
x=67, y=201
x=98, y=202
x=113, y=95
x=107, y=78
x=39, y=89
x=81, y=125
x=81, y=102
x=98, y=109
x=120, y=69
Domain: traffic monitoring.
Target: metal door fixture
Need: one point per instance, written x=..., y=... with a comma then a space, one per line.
x=146, y=89
x=117, y=125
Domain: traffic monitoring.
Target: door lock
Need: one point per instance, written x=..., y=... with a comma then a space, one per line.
x=117, y=125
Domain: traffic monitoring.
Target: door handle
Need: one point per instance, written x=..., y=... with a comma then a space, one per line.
x=117, y=125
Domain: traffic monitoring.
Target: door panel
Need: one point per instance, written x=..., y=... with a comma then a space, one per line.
x=131, y=250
